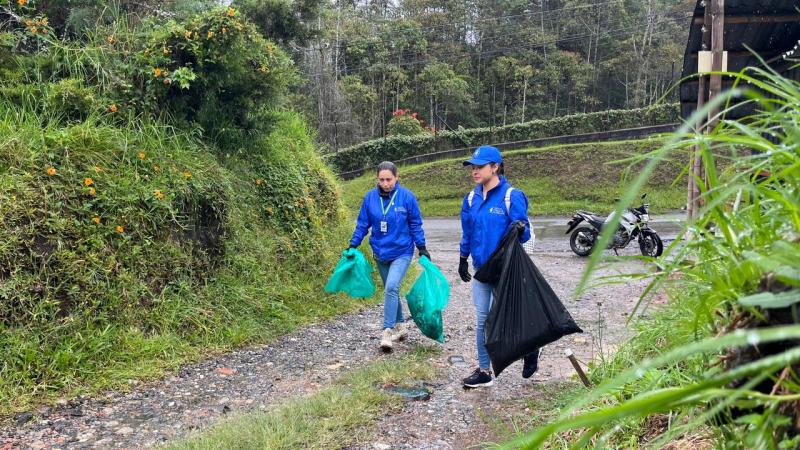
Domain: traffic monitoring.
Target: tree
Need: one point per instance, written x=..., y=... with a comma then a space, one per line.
x=284, y=20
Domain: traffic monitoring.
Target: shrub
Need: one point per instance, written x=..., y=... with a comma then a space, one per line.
x=405, y=123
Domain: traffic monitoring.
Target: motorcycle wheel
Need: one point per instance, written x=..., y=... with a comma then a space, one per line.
x=650, y=245
x=582, y=240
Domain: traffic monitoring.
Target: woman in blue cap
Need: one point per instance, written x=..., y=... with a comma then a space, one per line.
x=391, y=213
x=487, y=214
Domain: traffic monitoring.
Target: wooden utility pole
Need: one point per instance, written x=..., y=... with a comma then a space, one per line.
x=717, y=47
x=713, y=31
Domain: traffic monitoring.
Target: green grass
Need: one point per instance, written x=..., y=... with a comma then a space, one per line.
x=84, y=308
x=331, y=418
x=558, y=179
x=520, y=415
x=719, y=361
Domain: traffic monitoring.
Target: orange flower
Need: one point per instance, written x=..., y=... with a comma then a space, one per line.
x=157, y=72
x=29, y=23
x=269, y=210
x=259, y=181
x=140, y=155
x=187, y=174
x=34, y=30
x=96, y=220
x=263, y=69
x=187, y=34
x=113, y=108
x=210, y=34
x=224, y=30
x=88, y=182
x=110, y=39
x=120, y=229
x=51, y=171
x=158, y=194
x=156, y=168
x=44, y=30
x=92, y=191
x=22, y=2
x=231, y=12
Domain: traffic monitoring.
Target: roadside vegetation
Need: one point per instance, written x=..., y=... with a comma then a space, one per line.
x=718, y=365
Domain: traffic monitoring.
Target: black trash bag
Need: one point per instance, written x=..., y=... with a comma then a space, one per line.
x=526, y=314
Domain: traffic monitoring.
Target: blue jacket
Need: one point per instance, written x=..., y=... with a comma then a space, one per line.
x=404, y=224
x=484, y=224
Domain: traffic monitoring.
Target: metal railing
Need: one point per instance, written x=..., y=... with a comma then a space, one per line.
x=599, y=136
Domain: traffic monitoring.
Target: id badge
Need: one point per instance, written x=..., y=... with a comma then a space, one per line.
x=384, y=226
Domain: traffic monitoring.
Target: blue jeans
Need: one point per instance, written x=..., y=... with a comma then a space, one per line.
x=482, y=299
x=392, y=274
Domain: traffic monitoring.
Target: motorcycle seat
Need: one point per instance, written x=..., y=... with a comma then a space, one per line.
x=594, y=217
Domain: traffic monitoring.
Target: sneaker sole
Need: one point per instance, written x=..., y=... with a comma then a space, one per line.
x=479, y=385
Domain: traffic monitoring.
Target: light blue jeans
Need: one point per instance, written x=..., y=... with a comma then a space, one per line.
x=392, y=274
x=482, y=299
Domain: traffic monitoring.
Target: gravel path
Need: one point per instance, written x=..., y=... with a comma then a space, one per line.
x=255, y=378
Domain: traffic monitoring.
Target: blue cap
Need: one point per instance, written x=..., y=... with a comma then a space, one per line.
x=484, y=154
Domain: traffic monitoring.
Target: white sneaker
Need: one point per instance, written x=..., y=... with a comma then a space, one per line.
x=386, y=339
x=400, y=331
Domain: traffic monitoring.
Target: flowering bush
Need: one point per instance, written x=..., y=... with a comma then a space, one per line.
x=405, y=123
x=214, y=70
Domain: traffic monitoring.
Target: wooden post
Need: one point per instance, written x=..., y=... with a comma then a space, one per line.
x=578, y=368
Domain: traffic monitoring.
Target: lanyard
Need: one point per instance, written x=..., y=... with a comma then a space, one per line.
x=385, y=209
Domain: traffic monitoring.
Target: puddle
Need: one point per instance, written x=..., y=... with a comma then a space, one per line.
x=458, y=361
x=411, y=393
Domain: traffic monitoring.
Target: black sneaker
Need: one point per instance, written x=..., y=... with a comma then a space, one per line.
x=530, y=363
x=478, y=378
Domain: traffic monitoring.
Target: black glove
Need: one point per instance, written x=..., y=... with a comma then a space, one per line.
x=424, y=252
x=519, y=225
x=348, y=248
x=463, y=270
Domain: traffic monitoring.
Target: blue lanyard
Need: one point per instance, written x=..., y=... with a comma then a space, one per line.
x=385, y=209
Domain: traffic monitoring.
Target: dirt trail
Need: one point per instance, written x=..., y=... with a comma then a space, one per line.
x=255, y=378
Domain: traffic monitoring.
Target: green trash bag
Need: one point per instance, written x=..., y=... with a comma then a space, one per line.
x=428, y=298
x=352, y=275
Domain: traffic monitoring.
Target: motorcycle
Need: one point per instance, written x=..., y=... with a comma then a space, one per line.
x=632, y=225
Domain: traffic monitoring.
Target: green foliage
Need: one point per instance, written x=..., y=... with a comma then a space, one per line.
x=283, y=20
x=214, y=70
x=370, y=153
x=722, y=358
x=296, y=192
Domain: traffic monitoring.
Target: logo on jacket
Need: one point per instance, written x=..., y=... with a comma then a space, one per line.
x=496, y=210
x=400, y=209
